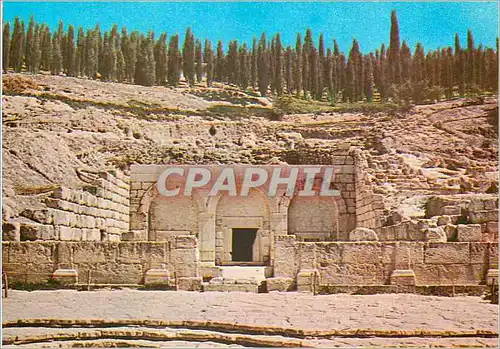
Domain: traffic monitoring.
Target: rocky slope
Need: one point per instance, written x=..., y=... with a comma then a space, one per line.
x=58, y=130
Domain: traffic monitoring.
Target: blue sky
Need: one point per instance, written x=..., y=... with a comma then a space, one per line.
x=431, y=23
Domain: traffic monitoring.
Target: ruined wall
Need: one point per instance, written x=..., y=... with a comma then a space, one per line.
x=369, y=206
x=457, y=218
x=377, y=263
x=98, y=212
x=108, y=262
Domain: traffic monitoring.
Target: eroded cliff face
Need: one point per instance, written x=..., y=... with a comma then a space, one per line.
x=59, y=131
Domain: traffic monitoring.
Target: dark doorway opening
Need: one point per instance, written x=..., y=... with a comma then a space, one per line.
x=243, y=240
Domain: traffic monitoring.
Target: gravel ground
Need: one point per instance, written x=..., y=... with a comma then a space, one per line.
x=382, y=312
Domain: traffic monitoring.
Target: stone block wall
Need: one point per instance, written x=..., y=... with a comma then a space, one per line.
x=373, y=263
x=98, y=212
x=108, y=262
x=466, y=217
x=369, y=206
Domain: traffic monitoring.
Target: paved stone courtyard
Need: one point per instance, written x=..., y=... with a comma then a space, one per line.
x=388, y=312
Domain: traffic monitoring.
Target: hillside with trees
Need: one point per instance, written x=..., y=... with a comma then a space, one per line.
x=396, y=72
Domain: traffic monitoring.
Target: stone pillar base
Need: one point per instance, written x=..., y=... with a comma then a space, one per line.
x=189, y=284
x=65, y=276
x=280, y=284
x=492, y=277
x=157, y=277
x=403, y=277
x=306, y=280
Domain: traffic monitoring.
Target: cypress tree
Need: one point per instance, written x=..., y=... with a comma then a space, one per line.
x=243, y=71
x=6, y=47
x=145, y=71
x=219, y=62
x=278, y=74
x=91, y=53
x=338, y=71
x=405, y=62
x=130, y=47
x=457, y=53
x=447, y=68
x=36, y=51
x=349, y=82
x=470, y=72
x=116, y=50
x=16, y=46
x=124, y=46
x=29, y=44
x=150, y=59
x=272, y=64
x=99, y=49
x=478, y=66
x=418, y=66
x=161, y=59
x=381, y=84
x=436, y=68
x=112, y=57
x=188, y=54
x=263, y=66
x=104, y=59
x=60, y=35
x=368, y=77
x=23, y=43
x=80, y=52
x=69, y=58
x=394, y=51
x=121, y=74
x=232, y=63
x=209, y=59
x=458, y=67
x=306, y=60
x=356, y=77
x=491, y=67
x=329, y=74
x=288, y=69
x=298, y=65
x=314, y=72
x=376, y=69
x=56, y=65
x=342, y=74
x=173, y=60
x=336, y=50
x=46, y=49
x=198, y=61
x=253, y=63
x=321, y=63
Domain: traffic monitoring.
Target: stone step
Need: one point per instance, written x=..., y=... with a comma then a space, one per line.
x=256, y=273
x=225, y=287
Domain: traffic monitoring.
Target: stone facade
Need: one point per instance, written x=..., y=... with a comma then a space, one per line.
x=213, y=218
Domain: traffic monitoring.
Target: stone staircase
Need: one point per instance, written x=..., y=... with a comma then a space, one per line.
x=237, y=279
